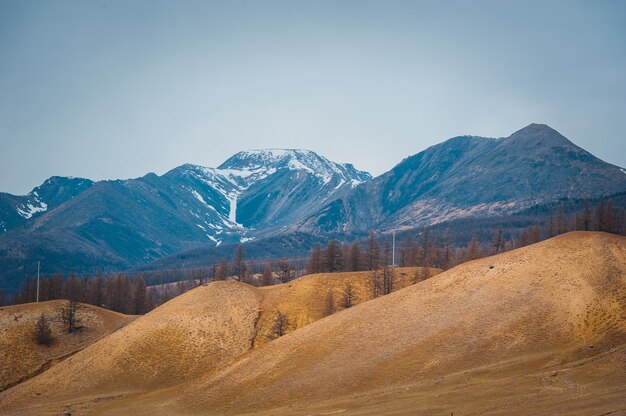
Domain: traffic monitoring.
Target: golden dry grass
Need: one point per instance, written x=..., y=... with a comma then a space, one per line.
x=539, y=330
x=305, y=300
x=192, y=335
x=21, y=357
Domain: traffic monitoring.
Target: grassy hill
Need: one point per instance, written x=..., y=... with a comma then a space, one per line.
x=20, y=355
x=538, y=330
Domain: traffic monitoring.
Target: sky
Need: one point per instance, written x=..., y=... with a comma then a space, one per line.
x=117, y=89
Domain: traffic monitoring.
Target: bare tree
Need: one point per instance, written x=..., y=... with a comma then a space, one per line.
x=73, y=288
x=268, y=277
x=355, y=257
x=529, y=235
x=387, y=280
x=421, y=275
x=349, y=296
x=43, y=333
x=436, y=252
x=221, y=270
x=375, y=283
x=332, y=257
x=238, y=265
x=388, y=270
x=286, y=271
x=408, y=251
x=586, y=216
x=560, y=220
x=498, y=241
x=139, y=296
x=96, y=290
x=473, y=249
x=280, y=325
x=448, y=258
x=425, y=272
x=199, y=276
x=314, y=264
x=372, y=258
x=68, y=312
x=329, y=308
x=425, y=246
x=608, y=217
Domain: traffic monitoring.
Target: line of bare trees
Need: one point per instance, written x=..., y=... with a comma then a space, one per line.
x=434, y=251
x=438, y=249
x=128, y=294
x=117, y=292
x=123, y=293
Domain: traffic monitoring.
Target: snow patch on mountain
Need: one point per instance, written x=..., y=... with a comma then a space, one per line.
x=199, y=197
x=232, y=215
x=234, y=180
x=260, y=160
x=28, y=209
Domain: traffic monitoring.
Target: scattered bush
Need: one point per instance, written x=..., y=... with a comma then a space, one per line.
x=43, y=333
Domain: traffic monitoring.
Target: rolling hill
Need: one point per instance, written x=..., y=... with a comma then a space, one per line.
x=202, y=330
x=22, y=358
x=537, y=330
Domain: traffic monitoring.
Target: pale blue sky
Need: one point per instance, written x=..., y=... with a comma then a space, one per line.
x=116, y=89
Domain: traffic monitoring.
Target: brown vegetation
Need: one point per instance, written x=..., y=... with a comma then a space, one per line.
x=539, y=330
x=22, y=355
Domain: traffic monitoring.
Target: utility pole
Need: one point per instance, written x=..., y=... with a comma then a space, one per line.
x=38, y=267
x=393, y=251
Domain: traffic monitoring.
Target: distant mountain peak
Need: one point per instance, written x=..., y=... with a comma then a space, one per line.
x=539, y=133
x=294, y=159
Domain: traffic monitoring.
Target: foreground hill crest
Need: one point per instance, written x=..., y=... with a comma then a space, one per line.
x=523, y=332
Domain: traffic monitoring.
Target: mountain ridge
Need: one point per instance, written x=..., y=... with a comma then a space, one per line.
x=119, y=224
x=264, y=193
x=469, y=176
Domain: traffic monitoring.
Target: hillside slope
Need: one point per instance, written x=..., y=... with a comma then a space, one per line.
x=539, y=330
x=524, y=332
x=21, y=357
x=194, y=334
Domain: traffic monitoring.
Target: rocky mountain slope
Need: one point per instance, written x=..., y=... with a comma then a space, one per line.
x=124, y=223
x=538, y=330
x=78, y=225
x=16, y=210
x=472, y=176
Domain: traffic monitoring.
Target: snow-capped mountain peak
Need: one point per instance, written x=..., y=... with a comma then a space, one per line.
x=266, y=188
x=264, y=160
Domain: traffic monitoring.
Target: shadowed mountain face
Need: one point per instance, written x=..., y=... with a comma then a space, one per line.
x=16, y=210
x=296, y=183
x=79, y=225
x=472, y=176
x=75, y=224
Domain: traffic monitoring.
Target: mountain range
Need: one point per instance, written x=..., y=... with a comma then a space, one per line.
x=77, y=224
x=472, y=176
